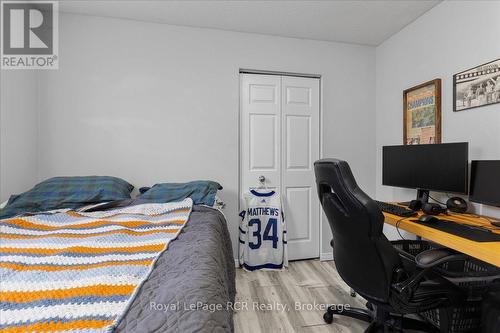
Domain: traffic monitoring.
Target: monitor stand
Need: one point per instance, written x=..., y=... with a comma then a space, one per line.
x=422, y=196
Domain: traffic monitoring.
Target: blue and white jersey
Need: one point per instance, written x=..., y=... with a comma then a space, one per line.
x=262, y=232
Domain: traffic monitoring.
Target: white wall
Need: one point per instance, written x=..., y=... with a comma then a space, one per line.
x=155, y=103
x=18, y=131
x=450, y=38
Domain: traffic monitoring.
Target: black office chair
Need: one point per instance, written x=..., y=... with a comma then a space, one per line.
x=394, y=283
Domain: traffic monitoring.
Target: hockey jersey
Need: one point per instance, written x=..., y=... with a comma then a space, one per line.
x=262, y=232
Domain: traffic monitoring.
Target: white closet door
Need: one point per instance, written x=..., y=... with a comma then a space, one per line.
x=300, y=148
x=279, y=139
x=260, y=130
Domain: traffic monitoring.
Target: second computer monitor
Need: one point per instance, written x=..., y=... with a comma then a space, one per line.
x=485, y=182
x=435, y=167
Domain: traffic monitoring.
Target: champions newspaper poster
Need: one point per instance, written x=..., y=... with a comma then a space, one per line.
x=420, y=116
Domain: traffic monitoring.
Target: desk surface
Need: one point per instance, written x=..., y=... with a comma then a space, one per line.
x=485, y=251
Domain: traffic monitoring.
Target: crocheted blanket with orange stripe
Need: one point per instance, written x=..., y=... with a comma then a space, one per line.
x=80, y=271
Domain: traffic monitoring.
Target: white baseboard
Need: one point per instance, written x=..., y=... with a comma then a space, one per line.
x=325, y=256
x=322, y=257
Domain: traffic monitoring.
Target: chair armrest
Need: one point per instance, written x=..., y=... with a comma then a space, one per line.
x=434, y=257
x=426, y=260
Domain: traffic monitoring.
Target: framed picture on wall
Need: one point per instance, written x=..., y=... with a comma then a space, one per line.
x=478, y=86
x=422, y=113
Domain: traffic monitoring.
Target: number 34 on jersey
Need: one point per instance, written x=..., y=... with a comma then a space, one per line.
x=262, y=232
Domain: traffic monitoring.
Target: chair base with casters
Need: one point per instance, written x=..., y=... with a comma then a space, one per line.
x=380, y=320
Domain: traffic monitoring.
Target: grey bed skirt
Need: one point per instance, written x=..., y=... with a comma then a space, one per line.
x=192, y=284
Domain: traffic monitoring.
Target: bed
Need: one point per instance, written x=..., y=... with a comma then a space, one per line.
x=204, y=250
x=190, y=288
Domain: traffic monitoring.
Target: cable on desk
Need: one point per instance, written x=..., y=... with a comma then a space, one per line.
x=397, y=226
x=439, y=202
x=475, y=216
x=488, y=219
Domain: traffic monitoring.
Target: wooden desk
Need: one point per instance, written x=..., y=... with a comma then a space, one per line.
x=485, y=251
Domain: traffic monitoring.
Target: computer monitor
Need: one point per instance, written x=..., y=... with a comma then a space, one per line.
x=485, y=182
x=430, y=167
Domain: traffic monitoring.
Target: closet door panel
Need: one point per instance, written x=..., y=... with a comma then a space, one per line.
x=260, y=131
x=300, y=148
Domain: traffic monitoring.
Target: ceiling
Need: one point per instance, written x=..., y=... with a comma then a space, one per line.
x=367, y=22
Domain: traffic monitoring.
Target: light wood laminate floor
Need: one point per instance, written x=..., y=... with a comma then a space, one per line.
x=307, y=282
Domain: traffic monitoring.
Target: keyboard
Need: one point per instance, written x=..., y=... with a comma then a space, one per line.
x=394, y=209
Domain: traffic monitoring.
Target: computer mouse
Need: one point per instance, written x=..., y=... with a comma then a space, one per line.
x=427, y=219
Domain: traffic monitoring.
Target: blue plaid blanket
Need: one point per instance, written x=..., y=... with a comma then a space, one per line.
x=67, y=192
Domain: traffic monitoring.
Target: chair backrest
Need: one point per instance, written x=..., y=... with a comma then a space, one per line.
x=364, y=258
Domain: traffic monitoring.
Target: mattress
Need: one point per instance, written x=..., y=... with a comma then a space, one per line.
x=192, y=285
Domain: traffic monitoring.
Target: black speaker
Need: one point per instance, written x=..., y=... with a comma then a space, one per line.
x=456, y=205
x=433, y=209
